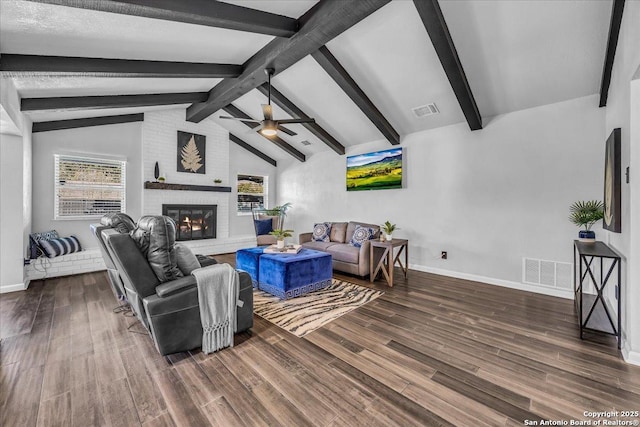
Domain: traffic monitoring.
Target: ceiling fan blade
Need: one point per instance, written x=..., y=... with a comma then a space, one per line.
x=240, y=120
x=294, y=121
x=287, y=131
x=267, y=111
x=256, y=129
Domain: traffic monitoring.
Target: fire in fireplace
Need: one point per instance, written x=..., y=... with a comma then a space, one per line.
x=194, y=222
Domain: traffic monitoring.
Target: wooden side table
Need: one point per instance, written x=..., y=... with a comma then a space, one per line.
x=387, y=261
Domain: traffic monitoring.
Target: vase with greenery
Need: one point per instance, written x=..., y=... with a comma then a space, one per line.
x=280, y=235
x=388, y=229
x=161, y=179
x=585, y=214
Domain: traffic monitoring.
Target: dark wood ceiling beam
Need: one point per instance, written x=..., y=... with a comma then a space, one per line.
x=86, y=122
x=433, y=20
x=612, y=45
x=318, y=25
x=252, y=150
x=234, y=111
x=199, y=12
x=337, y=72
x=290, y=108
x=111, y=101
x=12, y=65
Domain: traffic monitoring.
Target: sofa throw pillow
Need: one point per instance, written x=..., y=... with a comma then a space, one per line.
x=34, y=242
x=322, y=232
x=263, y=226
x=60, y=246
x=187, y=261
x=361, y=235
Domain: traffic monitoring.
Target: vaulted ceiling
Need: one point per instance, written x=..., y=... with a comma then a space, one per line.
x=515, y=55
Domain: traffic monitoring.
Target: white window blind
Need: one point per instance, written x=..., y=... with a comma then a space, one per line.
x=252, y=191
x=87, y=187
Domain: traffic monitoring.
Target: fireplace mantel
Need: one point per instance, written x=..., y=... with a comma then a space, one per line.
x=185, y=187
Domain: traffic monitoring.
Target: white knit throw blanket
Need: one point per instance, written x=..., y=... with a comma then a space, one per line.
x=218, y=293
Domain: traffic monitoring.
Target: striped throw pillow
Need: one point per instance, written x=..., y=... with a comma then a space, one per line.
x=61, y=246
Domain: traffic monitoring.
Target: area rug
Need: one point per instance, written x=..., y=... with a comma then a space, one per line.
x=305, y=314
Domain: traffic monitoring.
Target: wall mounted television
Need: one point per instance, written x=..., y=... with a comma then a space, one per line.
x=379, y=170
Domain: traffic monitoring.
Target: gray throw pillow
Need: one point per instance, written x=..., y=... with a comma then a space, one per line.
x=187, y=261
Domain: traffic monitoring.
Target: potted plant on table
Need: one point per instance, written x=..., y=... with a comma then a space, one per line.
x=280, y=235
x=585, y=214
x=388, y=229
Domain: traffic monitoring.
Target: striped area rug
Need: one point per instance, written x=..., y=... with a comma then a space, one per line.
x=305, y=314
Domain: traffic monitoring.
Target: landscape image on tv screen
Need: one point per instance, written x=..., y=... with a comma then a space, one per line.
x=379, y=170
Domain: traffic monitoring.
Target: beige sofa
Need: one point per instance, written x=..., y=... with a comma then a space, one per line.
x=346, y=258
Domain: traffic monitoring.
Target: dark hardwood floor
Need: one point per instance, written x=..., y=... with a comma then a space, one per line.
x=431, y=351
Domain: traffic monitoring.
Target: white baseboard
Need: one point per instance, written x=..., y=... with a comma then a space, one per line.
x=631, y=357
x=14, y=288
x=568, y=294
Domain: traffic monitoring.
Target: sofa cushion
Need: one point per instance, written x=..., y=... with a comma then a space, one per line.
x=345, y=253
x=361, y=235
x=318, y=246
x=60, y=246
x=187, y=261
x=352, y=227
x=338, y=231
x=155, y=237
x=263, y=226
x=321, y=232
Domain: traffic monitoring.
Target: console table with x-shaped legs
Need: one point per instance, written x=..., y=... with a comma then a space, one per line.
x=594, y=313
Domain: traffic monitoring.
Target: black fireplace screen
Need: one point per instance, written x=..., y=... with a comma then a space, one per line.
x=194, y=221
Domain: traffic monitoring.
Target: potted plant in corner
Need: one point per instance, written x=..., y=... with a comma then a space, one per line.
x=585, y=214
x=280, y=235
x=388, y=229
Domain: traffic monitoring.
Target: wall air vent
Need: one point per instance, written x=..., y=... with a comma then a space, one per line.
x=426, y=110
x=547, y=273
x=305, y=142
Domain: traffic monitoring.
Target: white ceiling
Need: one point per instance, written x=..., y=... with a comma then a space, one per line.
x=516, y=55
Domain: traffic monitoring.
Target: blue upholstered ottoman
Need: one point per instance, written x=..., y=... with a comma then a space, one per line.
x=248, y=260
x=288, y=276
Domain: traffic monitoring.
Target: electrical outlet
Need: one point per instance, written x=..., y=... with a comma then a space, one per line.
x=443, y=254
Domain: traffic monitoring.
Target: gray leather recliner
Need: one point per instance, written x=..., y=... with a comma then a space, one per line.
x=122, y=223
x=170, y=311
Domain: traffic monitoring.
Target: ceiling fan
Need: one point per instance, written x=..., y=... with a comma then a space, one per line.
x=269, y=127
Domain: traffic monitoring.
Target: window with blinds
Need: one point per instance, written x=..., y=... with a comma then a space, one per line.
x=86, y=187
x=252, y=192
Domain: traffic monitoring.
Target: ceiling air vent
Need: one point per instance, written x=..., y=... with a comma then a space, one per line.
x=305, y=142
x=426, y=110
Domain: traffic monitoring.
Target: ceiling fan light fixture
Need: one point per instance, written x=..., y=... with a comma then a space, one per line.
x=269, y=131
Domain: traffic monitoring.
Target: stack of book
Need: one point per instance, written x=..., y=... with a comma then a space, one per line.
x=288, y=249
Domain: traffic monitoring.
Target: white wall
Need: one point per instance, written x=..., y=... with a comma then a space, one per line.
x=159, y=144
x=243, y=162
x=121, y=141
x=488, y=197
x=11, y=202
x=619, y=113
x=15, y=192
